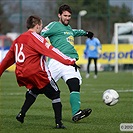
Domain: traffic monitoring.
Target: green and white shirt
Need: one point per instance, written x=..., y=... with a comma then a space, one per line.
x=62, y=37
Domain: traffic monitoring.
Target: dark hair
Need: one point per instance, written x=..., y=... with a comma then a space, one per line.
x=32, y=21
x=63, y=8
x=90, y=35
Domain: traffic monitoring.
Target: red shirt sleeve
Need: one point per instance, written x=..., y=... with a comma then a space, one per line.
x=7, y=61
x=48, y=50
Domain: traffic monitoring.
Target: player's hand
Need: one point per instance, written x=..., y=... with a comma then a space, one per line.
x=76, y=67
x=85, y=54
x=89, y=34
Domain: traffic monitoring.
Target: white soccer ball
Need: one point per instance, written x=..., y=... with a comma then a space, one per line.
x=110, y=97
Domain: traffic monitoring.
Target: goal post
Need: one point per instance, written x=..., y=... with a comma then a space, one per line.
x=127, y=26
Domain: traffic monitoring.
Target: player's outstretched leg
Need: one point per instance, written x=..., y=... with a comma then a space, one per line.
x=81, y=114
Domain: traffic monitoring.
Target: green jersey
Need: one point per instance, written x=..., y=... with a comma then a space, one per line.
x=62, y=37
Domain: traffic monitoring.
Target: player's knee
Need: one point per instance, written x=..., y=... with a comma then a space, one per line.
x=55, y=95
x=73, y=84
x=57, y=100
x=30, y=92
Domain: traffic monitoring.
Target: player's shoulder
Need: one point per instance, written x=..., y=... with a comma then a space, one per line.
x=96, y=39
x=51, y=24
x=22, y=36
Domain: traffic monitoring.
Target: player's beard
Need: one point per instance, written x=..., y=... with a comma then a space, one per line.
x=65, y=22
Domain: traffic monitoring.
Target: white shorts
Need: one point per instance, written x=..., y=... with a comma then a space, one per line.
x=59, y=70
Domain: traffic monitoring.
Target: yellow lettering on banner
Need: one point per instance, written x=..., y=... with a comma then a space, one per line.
x=107, y=56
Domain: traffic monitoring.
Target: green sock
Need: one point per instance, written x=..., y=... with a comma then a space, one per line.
x=75, y=101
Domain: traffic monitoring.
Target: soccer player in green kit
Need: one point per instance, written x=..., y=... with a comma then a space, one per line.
x=61, y=36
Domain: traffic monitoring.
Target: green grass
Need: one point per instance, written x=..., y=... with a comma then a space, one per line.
x=104, y=119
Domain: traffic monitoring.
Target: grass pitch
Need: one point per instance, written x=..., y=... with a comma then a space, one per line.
x=104, y=119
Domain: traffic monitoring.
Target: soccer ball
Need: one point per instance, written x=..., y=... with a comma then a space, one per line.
x=110, y=97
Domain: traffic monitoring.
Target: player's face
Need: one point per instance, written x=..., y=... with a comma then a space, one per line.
x=65, y=17
x=39, y=28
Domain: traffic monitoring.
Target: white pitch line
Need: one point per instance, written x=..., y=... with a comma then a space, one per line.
x=101, y=91
x=10, y=94
x=82, y=91
x=108, y=85
x=125, y=90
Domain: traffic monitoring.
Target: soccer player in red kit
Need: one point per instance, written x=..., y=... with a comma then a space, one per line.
x=28, y=51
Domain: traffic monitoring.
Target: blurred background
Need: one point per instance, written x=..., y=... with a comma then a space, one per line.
x=98, y=16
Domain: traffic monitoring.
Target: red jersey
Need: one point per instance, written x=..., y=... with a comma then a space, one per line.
x=28, y=51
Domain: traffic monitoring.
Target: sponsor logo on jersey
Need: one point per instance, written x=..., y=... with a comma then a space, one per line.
x=70, y=39
x=68, y=33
